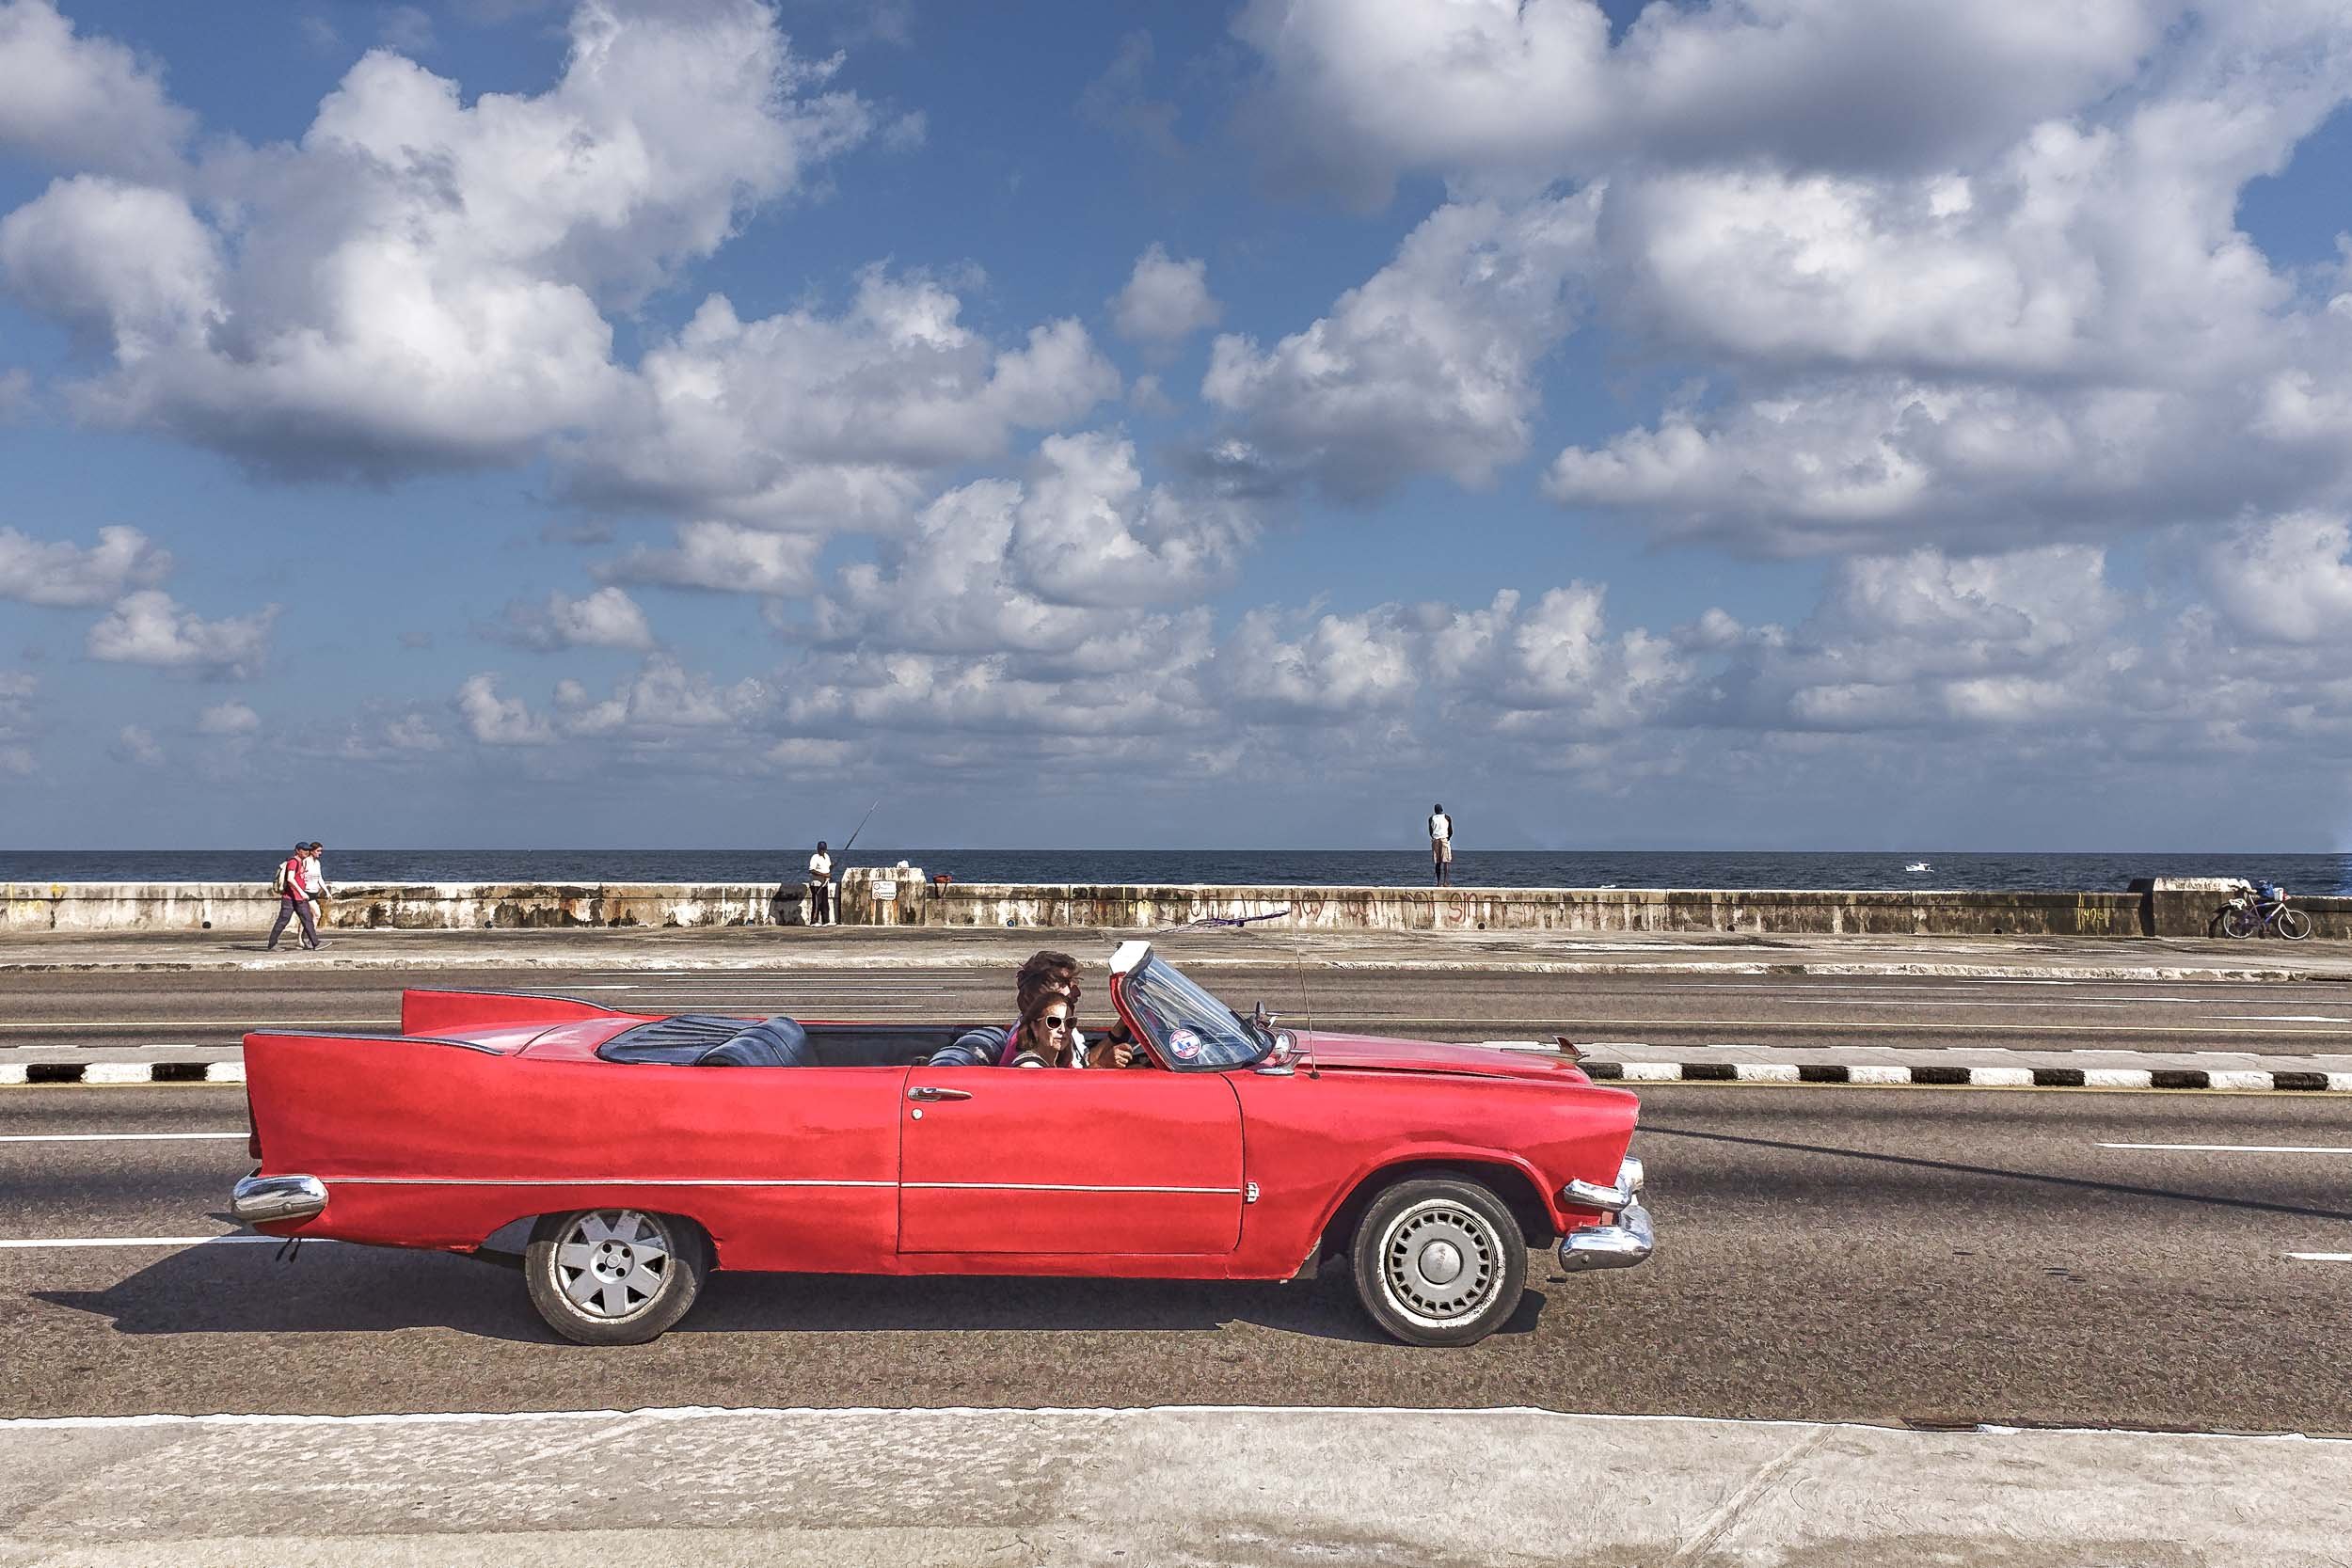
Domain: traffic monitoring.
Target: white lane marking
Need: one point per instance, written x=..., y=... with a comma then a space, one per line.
x=137, y=1241
x=113, y=1138
x=2240, y=1148
x=2322, y=1257
x=2280, y=1017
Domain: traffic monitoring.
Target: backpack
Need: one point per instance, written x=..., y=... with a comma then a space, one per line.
x=277, y=883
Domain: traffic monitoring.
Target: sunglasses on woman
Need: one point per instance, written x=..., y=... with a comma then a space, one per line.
x=1051, y=1023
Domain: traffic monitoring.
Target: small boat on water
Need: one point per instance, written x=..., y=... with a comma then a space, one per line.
x=1919, y=865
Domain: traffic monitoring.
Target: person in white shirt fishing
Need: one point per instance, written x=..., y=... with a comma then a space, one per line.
x=821, y=905
x=1441, y=845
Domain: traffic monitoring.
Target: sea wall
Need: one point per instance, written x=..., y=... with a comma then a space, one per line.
x=871, y=896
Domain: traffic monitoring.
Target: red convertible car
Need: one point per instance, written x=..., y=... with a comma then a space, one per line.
x=624, y=1156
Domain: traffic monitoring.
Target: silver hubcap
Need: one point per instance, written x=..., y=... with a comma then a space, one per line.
x=611, y=1262
x=1441, y=1262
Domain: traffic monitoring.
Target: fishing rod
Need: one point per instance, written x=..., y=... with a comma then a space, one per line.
x=861, y=825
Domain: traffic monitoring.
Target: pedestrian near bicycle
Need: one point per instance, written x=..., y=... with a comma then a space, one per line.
x=1441, y=846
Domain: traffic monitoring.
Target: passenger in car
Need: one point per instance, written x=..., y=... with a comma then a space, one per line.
x=1045, y=1036
x=1047, y=975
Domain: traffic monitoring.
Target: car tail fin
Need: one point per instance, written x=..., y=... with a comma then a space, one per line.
x=453, y=1012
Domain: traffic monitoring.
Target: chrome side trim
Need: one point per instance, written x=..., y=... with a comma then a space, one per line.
x=1621, y=1245
x=1052, y=1187
x=596, y=1181
x=260, y=1199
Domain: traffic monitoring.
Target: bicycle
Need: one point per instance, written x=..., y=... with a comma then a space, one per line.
x=2260, y=909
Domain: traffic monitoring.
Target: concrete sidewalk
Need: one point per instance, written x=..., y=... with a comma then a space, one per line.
x=844, y=1489
x=784, y=948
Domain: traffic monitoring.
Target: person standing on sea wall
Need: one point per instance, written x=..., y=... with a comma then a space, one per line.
x=1441, y=845
x=820, y=906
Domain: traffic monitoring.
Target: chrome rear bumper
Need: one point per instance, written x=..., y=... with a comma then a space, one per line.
x=1620, y=1245
x=260, y=1199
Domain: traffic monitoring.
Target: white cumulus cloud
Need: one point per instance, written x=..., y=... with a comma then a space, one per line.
x=1166, y=300
x=608, y=618
x=419, y=281
x=1430, y=365
x=724, y=558
x=81, y=103
x=228, y=718
x=825, y=423
x=496, y=720
x=150, y=627
x=66, y=574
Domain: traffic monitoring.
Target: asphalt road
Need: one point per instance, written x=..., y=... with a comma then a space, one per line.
x=1931, y=1258
x=180, y=1011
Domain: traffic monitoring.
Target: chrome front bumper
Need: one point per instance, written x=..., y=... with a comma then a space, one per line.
x=1618, y=1246
x=260, y=1199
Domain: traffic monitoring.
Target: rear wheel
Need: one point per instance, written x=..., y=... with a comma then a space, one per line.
x=1439, y=1261
x=2240, y=921
x=613, y=1277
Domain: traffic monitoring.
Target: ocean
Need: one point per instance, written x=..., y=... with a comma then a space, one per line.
x=1671, y=868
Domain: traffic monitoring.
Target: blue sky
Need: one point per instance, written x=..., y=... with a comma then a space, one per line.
x=1837, y=423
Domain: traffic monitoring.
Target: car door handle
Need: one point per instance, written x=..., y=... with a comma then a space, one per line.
x=925, y=1093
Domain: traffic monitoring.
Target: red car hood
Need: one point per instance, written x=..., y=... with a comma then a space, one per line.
x=1380, y=1053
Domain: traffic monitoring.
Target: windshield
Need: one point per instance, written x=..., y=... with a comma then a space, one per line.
x=1187, y=1027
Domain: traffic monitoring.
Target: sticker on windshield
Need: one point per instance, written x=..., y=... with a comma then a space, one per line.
x=1183, y=1044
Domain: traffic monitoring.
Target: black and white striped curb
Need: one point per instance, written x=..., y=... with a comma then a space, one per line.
x=1966, y=1077
x=39, y=1073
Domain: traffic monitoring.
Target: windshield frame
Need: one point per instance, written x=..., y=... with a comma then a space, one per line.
x=1203, y=1010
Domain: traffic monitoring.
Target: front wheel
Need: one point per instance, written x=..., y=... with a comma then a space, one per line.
x=1439, y=1261
x=612, y=1277
x=2293, y=924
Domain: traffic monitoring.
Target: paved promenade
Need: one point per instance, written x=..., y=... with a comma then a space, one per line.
x=1179, y=1487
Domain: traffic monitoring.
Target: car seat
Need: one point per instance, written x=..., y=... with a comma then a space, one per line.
x=775, y=1043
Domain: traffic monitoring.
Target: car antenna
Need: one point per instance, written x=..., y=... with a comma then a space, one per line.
x=1298, y=956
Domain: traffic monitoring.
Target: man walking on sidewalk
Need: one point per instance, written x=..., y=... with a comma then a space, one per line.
x=294, y=898
x=821, y=910
x=1441, y=845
